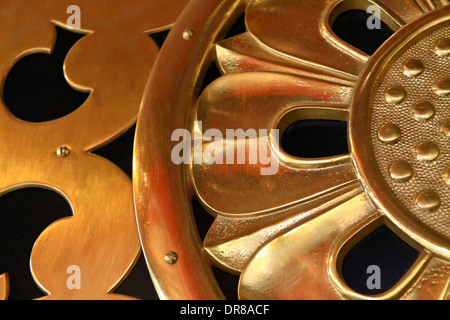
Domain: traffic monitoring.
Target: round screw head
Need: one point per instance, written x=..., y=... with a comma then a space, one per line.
x=63, y=151
x=446, y=175
x=171, y=257
x=188, y=34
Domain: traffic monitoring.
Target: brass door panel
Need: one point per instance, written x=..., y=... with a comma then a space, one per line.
x=112, y=63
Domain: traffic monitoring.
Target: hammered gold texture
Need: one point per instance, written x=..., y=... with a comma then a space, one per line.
x=427, y=175
x=435, y=279
x=112, y=62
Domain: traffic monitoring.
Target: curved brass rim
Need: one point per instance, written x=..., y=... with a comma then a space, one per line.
x=163, y=210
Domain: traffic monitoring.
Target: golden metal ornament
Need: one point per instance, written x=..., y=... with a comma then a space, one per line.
x=286, y=234
x=112, y=62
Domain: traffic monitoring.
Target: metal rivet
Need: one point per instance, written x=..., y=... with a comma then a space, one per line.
x=171, y=257
x=62, y=151
x=188, y=34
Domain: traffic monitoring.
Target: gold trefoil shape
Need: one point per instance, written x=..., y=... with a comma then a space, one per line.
x=112, y=62
x=286, y=234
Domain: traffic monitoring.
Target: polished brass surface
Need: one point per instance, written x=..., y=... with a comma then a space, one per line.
x=112, y=62
x=286, y=234
x=4, y=286
x=421, y=206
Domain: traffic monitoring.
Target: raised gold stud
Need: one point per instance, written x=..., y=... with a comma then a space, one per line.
x=446, y=175
x=423, y=110
x=427, y=151
x=171, y=257
x=428, y=200
x=395, y=95
x=413, y=68
x=445, y=128
x=63, y=151
x=389, y=133
x=401, y=171
x=442, y=48
x=442, y=87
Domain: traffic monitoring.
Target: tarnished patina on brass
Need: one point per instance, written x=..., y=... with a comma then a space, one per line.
x=112, y=62
x=286, y=234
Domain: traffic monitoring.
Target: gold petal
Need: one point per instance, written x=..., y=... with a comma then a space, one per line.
x=243, y=53
x=262, y=100
x=430, y=5
x=302, y=30
x=403, y=11
x=433, y=283
x=232, y=242
x=4, y=286
x=296, y=265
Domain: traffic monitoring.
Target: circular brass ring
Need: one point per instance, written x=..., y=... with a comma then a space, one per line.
x=162, y=189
